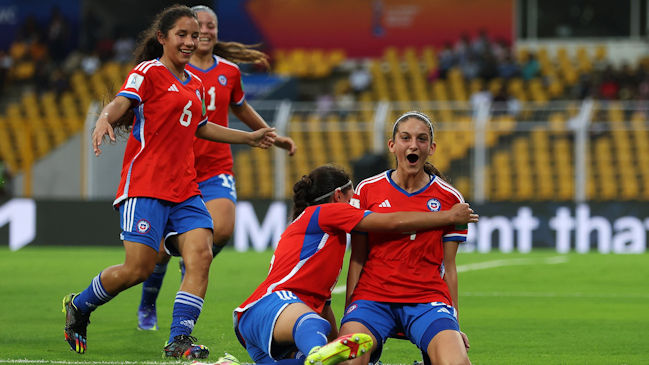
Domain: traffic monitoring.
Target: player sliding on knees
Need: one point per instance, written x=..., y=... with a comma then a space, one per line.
x=288, y=318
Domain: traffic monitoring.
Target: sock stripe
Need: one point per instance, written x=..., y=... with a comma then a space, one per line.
x=308, y=316
x=99, y=290
x=189, y=299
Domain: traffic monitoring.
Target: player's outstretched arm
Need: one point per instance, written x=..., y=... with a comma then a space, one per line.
x=460, y=213
x=104, y=124
x=247, y=114
x=262, y=138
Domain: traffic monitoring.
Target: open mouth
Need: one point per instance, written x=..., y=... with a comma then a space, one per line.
x=186, y=51
x=412, y=157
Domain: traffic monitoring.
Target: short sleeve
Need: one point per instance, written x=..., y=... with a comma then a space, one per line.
x=340, y=216
x=135, y=86
x=238, y=96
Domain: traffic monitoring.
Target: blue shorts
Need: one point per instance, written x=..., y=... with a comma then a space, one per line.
x=147, y=220
x=420, y=322
x=257, y=324
x=219, y=186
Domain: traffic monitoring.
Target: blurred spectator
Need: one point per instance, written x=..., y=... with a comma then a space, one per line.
x=504, y=103
x=90, y=30
x=481, y=44
x=324, y=104
x=531, y=68
x=461, y=49
x=5, y=65
x=446, y=60
x=470, y=67
x=59, y=82
x=90, y=63
x=360, y=79
x=488, y=65
x=480, y=97
x=30, y=32
x=629, y=78
x=58, y=36
x=643, y=89
x=123, y=47
x=507, y=68
x=609, y=86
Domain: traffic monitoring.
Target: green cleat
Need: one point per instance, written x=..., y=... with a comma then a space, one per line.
x=76, y=324
x=341, y=349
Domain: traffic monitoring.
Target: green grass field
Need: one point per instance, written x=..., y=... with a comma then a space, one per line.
x=539, y=308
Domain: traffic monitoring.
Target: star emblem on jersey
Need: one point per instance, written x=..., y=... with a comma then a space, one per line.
x=385, y=204
x=173, y=87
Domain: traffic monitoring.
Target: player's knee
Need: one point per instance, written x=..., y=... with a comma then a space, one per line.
x=222, y=237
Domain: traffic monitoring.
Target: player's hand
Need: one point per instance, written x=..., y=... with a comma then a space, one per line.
x=102, y=128
x=461, y=213
x=262, y=138
x=287, y=144
x=465, y=339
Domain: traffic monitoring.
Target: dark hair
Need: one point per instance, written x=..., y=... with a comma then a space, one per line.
x=148, y=48
x=321, y=181
x=429, y=168
x=235, y=51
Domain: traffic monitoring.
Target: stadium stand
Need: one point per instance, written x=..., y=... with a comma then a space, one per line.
x=530, y=139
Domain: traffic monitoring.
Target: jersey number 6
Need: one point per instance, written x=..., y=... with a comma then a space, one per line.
x=185, y=122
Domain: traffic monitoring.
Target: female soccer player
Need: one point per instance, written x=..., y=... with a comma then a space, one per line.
x=288, y=311
x=212, y=63
x=407, y=282
x=161, y=103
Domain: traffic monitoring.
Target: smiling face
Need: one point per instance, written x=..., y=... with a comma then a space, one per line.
x=208, y=32
x=411, y=145
x=180, y=42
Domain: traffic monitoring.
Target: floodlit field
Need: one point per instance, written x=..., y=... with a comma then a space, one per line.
x=539, y=308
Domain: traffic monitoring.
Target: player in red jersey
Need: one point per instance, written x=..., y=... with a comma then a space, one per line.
x=161, y=105
x=289, y=310
x=213, y=161
x=406, y=283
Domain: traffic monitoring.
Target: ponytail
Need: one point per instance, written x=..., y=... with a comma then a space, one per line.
x=318, y=187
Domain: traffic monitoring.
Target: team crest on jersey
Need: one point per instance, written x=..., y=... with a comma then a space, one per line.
x=223, y=80
x=143, y=226
x=198, y=95
x=434, y=205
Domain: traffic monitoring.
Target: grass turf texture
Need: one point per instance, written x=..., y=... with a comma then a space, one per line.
x=520, y=309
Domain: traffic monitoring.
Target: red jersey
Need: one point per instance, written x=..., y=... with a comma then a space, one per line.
x=159, y=159
x=406, y=267
x=222, y=83
x=309, y=255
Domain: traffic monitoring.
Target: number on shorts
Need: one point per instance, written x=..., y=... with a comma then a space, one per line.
x=228, y=181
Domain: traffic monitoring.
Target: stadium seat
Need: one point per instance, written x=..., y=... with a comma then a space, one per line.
x=7, y=148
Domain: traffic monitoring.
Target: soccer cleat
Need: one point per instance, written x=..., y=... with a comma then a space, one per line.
x=147, y=319
x=183, y=347
x=76, y=324
x=341, y=349
x=223, y=360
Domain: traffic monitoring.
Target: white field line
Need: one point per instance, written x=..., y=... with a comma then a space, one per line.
x=493, y=264
x=557, y=295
